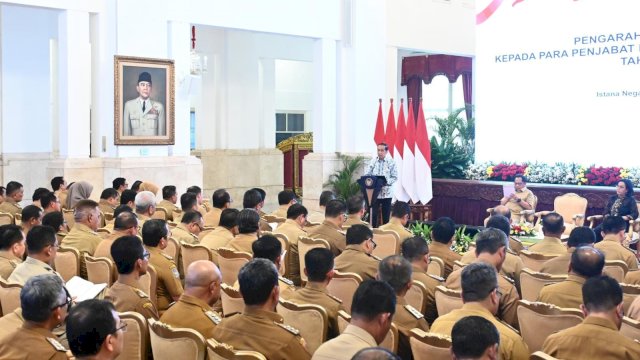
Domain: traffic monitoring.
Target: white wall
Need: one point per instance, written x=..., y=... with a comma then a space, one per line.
x=293, y=85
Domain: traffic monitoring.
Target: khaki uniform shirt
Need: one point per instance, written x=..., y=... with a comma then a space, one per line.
x=28, y=269
x=10, y=322
x=104, y=250
x=634, y=309
x=334, y=235
x=613, y=250
x=446, y=254
x=292, y=231
x=212, y=218
x=511, y=268
x=287, y=289
x=62, y=197
x=316, y=293
x=168, y=207
x=217, y=238
x=82, y=238
x=141, y=219
x=507, y=310
x=558, y=265
x=352, y=340
x=105, y=208
x=181, y=234
x=406, y=318
x=354, y=219
x=281, y=211
x=430, y=282
x=395, y=225
x=32, y=343
x=594, y=338
x=512, y=346
x=632, y=277
x=549, y=245
x=242, y=242
x=565, y=294
x=169, y=285
x=129, y=298
x=264, y=332
x=316, y=216
x=10, y=207
x=354, y=259
x=191, y=312
x=525, y=195
x=8, y=263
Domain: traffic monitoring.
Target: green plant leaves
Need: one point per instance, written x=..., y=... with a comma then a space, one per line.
x=342, y=182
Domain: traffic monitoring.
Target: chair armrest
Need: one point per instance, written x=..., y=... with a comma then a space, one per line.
x=592, y=219
x=578, y=219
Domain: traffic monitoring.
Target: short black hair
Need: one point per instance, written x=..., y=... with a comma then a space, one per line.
x=220, y=198
x=490, y=241
x=587, y=261
x=136, y=185
x=194, y=189
x=400, y=209
x=257, y=278
x=109, y=193
x=601, y=293
x=375, y=353
x=30, y=212
x=414, y=248
x=326, y=196
x=263, y=194
x=357, y=234
x=266, y=247
x=119, y=181
x=125, y=220
x=191, y=216
x=355, y=204
x=127, y=196
x=54, y=219
x=12, y=187
x=38, y=193
x=125, y=251
x=318, y=262
x=47, y=199
x=296, y=210
x=248, y=221
x=9, y=235
x=443, y=230
x=188, y=200
x=386, y=147
x=229, y=218
x=285, y=197
x=502, y=210
x=479, y=280
x=39, y=238
x=2, y=190
x=335, y=208
x=251, y=199
x=88, y=325
x=499, y=222
x=372, y=298
x=56, y=182
x=395, y=271
x=521, y=176
x=153, y=231
x=168, y=191
x=581, y=235
x=120, y=209
x=471, y=336
x=613, y=224
x=552, y=223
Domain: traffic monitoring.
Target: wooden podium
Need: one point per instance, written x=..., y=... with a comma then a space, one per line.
x=294, y=150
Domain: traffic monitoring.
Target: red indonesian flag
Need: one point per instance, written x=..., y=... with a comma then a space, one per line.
x=398, y=145
x=423, y=159
x=390, y=134
x=378, y=136
x=408, y=157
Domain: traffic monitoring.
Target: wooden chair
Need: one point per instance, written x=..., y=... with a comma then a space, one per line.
x=571, y=206
x=221, y=351
x=429, y=346
x=532, y=282
x=173, y=249
x=539, y=355
x=191, y=253
x=136, y=338
x=515, y=245
x=18, y=219
x=274, y=219
x=108, y=218
x=447, y=300
x=6, y=219
x=534, y=260
x=160, y=213
x=230, y=264
x=457, y=265
x=311, y=320
x=629, y=294
x=304, y=245
x=232, y=302
x=630, y=328
x=67, y=263
x=168, y=343
x=387, y=241
x=417, y=296
x=9, y=296
x=99, y=270
x=67, y=214
x=205, y=231
x=436, y=266
x=390, y=341
x=177, y=215
x=343, y=286
x=539, y=320
x=103, y=232
x=343, y=320
x=149, y=284
x=616, y=269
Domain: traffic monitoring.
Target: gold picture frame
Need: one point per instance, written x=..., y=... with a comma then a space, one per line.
x=144, y=100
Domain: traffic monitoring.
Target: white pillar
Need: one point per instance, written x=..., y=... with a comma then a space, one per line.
x=324, y=116
x=179, y=50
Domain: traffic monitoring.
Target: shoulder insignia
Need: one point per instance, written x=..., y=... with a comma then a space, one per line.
x=335, y=298
x=512, y=252
x=175, y=272
x=342, y=232
x=215, y=318
x=510, y=280
x=633, y=252
x=13, y=263
x=141, y=293
x=413, y=311
x=375, y=257
x=439, y=278
x=289, y=328
x=168, y=257
x=285, y=280
x=147, y=305
x=509, y=326
x=56, y=344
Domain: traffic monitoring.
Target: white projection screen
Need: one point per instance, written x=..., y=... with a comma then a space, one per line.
x=558, y=81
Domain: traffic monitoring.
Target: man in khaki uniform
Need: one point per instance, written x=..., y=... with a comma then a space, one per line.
x=586, y=262
x=254, y=199
x=613, y=231
x=109, y=199
x=580, y=236
x=155, y=235
x=481, y=297
x=474, y=337
x=292, y=228
x=416, y=251
x=372, y=311
x=399, y=219
x=42, y=247
x=317, y=216
x=50, y=203
x=44, y=303
x=331, y=227
x=598, y=336
x=189, y=227
x=224, y=232
x=83, y=236
x=12, y=248
x=131, y=260
x=443, y=232
x=201, y=291
x=59, y=187
x=95, y=331
x=552, y=228
x=355, y=212
x=522, y=199
x=125, y=224
x=259, y=327
x=286, y=198
x=13, y=195
x=356, y=257
x=248, y=220
x=201, y=207
x=145, y=206
x=31, y=216
x=169, y=200
x=220, y=200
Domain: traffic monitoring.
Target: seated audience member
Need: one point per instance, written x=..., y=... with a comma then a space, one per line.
x=220, y=200
x=372, y=310
x=355, y=212
x=286, y=198
x=474, y=337
x=515, y=245
x=253, y=199
x=586, y=262
x=131, y=260
x=120, y=185
x=269, y=247
x=56, y=221
x=31, y=216
x=45, y=303
x=263, y=198
x=109, y=199
x=50, y=203
x=396, y=271
x=292, y=228
x=197, y=190
x=491, y=247
x=614, y=232
x=148, y=186
x=598, y=336
x=169, y=200
x=319, y=270
x=356, y=257
x=188, y=201
x=194, y=308
x=317, y=216
x=117, y=211
x=59, y=187
x=400, y=213
x=95, y=331
x=416, y=251
x=552, y=228
x=580, y=236
x=37, y=195
x=83, y=236
x=128, y=198
x=125, y=224
x=12, y=249
x=2, y=193
x=13, y=195
x=443, y=232
x=481, y=297
x=248, y=220
x=136, y=186
x=189, y=227
x=224, y=232
x=77, y=192
x=145, y=206
x=259, y=327
x=42, y=248
x=331, y=227
x=522, y=199
x=375, y=353
x=155, y=235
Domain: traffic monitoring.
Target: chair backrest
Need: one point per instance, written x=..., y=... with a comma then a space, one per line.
x=539, y=320
x=205, y=231
x=191, y=253
x=6, y=219
x=168, y=343
x=232, y=302
x=539, y=355
x=67, y=262
x=343, y=320
x=149, y=284
x=221, y=351
x=531, y=282
x=160, y=213
x=436, y=266
x=173, y=249
x=304, y=245
x=457, y=265
x=99, y=270
x=569, y=205
x=429, y=346
x=447, y=300
x=311, y=320
x=630, y=328
x=177, y=215
x=136, y=338
x=617, y=269
x=9, y=296
x=387, y=241
x=67, y=214
x=230, y=263
x=284, y=242
x=534, y=260
x=515, y=245
x=629, y=293
x=392, y=339
x=274, y=219
x=343, y=286
x=417, y=296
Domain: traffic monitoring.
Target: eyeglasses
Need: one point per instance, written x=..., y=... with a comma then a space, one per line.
x=146, y=255
x=374, y=243
x=123, y=327
x=498, y=292
x=66, y=303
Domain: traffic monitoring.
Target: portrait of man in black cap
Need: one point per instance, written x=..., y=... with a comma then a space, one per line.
x=144, y=116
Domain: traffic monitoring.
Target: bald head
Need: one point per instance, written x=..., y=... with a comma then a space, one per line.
x=201, y=274
x=587, y=261
x=502, y=210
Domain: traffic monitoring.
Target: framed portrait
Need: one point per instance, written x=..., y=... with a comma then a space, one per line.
x=144, y=101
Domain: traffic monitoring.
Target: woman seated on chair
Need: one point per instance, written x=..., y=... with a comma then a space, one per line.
x=621, y=204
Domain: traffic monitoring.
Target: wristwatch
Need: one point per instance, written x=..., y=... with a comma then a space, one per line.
x=519, y=200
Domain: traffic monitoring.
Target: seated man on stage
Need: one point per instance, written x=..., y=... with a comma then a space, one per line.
x=522, y=199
